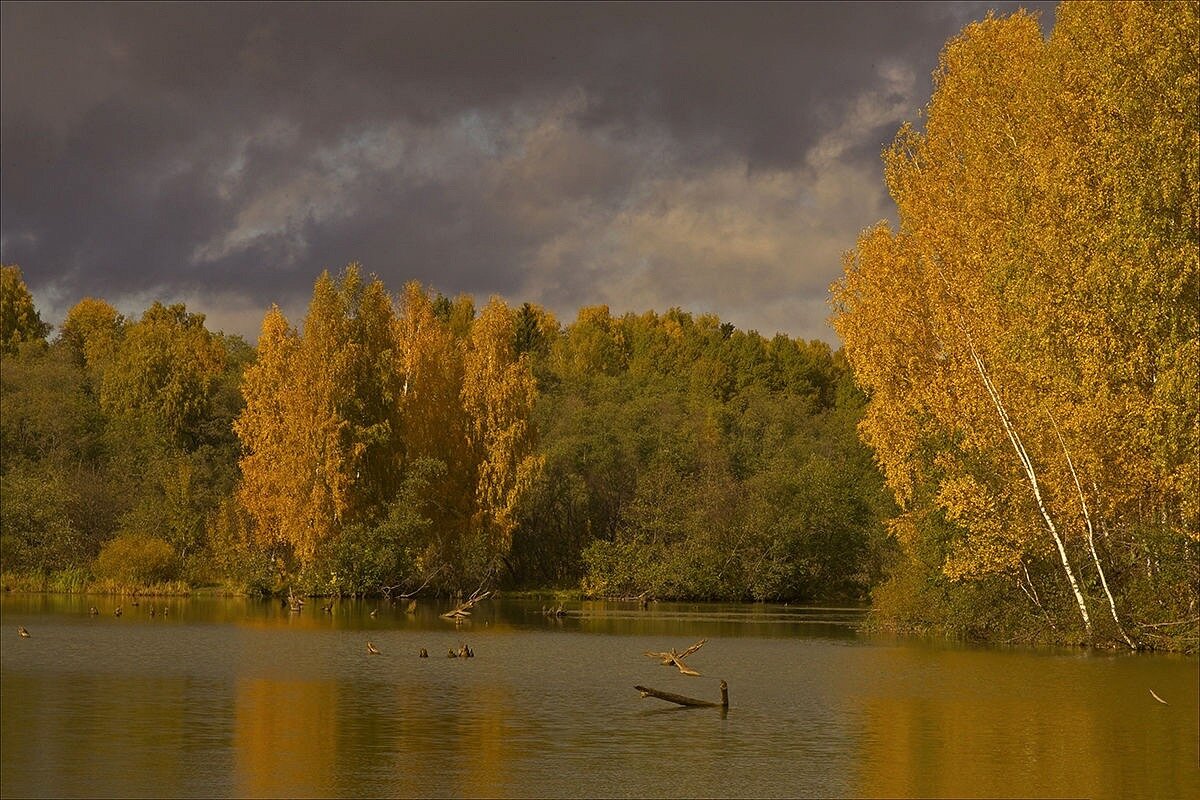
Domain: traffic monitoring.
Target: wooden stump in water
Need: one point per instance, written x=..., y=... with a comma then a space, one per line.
x=687, y=701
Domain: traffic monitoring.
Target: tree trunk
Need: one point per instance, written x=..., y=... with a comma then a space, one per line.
x=1087, y=518
x=1027, y=464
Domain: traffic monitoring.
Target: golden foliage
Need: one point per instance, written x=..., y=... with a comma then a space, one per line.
x=1048, y=240
x=337, y=416
x=498, y=392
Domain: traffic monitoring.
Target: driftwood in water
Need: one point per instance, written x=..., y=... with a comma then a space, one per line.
x=687, y=701
x=295, y=603
x=675, y=658
x=463, y=610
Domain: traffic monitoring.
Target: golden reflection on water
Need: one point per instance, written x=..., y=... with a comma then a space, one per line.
x=487, y=752
x=977, y=723
x=238, y=699
x=285, y=737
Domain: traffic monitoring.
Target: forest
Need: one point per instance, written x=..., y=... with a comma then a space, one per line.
x=1006, y=446
x=399, y=442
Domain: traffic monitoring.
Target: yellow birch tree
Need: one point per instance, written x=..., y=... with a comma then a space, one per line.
x=1013, y=330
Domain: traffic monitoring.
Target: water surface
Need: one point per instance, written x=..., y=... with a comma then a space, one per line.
x=239, y=698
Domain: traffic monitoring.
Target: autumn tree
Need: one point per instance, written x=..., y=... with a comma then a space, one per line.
x=1023, y=332
x=498, y=394
x=320, y=428
x=269, y=489
x=91, y=326
x=401, y=438
x=430, y=364
x=19, y=319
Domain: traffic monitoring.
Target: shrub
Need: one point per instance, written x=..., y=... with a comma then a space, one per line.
x=136, y=559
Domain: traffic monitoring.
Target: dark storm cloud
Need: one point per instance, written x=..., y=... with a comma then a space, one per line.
x=716, y=156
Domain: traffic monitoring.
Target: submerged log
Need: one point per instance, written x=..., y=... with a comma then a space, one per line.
x=687, y=701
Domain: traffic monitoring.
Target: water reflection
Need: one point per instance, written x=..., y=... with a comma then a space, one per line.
x=285, y=737
x=967, y=723
x=238, y=698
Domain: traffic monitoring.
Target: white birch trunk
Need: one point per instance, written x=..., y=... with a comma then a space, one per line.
x=1087, y=518
x=1027, y=464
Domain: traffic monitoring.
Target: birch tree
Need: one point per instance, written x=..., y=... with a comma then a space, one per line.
x=1040, y=274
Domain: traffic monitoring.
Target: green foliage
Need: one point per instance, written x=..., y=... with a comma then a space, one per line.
x=36, y=529
x=234, y=553
x=368, y=556
x=687, y=459
x=47, y=415
x=134, y=559
x=165, y=368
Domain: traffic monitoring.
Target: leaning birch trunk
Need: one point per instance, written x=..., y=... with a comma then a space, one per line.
x=1087, y=518
x=1031, y=475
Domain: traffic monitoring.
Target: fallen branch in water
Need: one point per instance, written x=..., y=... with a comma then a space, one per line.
x=672, y=657
x=692, y=702
x=463, y=610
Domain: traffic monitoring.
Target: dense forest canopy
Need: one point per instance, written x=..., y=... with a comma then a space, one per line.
x=414, y=440
x=1007, y=447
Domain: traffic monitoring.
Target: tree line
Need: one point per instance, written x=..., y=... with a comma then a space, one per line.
x=393, y=442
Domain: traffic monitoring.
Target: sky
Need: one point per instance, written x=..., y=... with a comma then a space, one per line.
x=715, y=157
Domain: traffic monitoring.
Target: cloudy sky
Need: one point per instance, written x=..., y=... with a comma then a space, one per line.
x=715, y=157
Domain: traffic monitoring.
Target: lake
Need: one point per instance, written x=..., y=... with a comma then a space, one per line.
x=240, y=698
